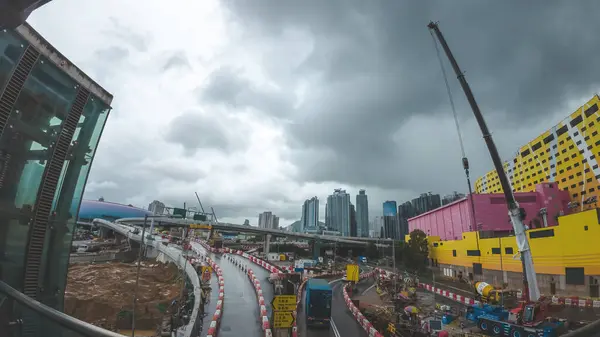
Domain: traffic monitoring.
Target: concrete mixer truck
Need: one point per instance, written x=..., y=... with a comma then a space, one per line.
x=487, y=293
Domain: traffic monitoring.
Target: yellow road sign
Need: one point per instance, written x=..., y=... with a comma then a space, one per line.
x=282, y=319
x=284, y=303
x=391, y=328
x=352, y=272
x=200, y=226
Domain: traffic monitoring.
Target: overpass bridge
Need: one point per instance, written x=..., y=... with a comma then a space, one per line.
x=166, y=222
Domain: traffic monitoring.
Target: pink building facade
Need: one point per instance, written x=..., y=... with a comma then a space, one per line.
x=491, y=214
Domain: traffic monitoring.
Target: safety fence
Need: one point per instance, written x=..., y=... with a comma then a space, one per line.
x=260, y=262
x=263, y=314
x=572, y=301
x=215, y=323
x=360, y=318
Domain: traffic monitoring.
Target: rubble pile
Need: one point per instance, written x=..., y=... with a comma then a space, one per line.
x=101, y=294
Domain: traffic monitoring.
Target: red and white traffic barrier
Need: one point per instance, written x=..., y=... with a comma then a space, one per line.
x=213, y=328
x=567, y=301
x=262, y=263
x=360, y=318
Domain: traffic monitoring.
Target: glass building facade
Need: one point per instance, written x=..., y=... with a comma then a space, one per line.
x=51, y=118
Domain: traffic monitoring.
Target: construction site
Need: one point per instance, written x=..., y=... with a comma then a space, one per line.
x=102, y=294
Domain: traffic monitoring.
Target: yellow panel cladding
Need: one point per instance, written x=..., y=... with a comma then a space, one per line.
x=574, y=244
x=568, y=153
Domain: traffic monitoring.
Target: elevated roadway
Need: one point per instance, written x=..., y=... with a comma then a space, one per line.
x=166, y=221
x=240, y=310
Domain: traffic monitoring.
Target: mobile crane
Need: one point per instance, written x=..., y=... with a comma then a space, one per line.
x=529, y=319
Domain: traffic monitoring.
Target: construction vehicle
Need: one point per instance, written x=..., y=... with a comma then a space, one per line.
x=530, y=317
x=487, y=293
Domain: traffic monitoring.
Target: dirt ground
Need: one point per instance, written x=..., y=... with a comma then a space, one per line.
x=98, y=293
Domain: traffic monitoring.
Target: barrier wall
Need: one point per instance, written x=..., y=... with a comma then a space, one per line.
x=360, y=318
x=262, y=263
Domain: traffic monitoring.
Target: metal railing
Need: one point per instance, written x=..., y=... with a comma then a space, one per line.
x=51, y=321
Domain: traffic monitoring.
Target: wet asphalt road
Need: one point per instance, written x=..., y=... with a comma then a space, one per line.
x=240, y=310
x=342, y=319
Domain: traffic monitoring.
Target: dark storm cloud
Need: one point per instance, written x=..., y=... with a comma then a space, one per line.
x=196, y=131
x=378, y=68
x=228, y=87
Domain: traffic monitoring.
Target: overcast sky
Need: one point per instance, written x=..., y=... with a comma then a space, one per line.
x=260, y=104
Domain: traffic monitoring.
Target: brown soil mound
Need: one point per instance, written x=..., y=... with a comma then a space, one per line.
x=100, y=293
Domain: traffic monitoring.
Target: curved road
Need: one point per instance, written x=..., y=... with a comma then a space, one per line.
x=240, y=310
x=343, y=323
x=210, y=307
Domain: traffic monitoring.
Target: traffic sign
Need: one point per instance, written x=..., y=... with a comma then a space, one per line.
x=284, y=303
x=283, y=319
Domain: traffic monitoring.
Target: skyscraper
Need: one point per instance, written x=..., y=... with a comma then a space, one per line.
x=391, y=227
x=337, y=216
x=426, y=202
x=268, y=220
x=156, y=207
x=310, y=215
x=362, y=214
x=353, y=229
x=405, y=212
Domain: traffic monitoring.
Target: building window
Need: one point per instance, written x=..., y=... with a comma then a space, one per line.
x=454, y=252
x=590, y=111
x=473, y=253
x=508, y=251
x=541, y=234
x=575, y=276
x=496, y=251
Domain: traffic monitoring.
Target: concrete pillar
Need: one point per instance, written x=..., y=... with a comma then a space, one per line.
x=316, y=249
x=267, y=244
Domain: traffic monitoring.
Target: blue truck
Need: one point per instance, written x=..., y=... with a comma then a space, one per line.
x=318, y=303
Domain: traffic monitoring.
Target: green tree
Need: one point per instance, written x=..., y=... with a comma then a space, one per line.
x=416, y=251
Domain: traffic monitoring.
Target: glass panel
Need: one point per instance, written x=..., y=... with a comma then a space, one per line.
x=34, y=124
x=35, y=324
x=68, y=198
x=11, y=49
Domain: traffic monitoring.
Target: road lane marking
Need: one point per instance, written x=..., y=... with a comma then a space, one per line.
x=335, y=329
x=369, y=288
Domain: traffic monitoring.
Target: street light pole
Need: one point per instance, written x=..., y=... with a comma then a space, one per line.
x=137, y=277
x=394, y=266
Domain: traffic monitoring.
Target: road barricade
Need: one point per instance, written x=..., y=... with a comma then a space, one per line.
x=213, y=328
x=360, y=318
x=263, y=314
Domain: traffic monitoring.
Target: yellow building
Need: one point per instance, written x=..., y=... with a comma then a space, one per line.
x=566, y=257
x=567, y=154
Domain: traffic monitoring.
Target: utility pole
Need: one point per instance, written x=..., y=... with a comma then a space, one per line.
x=394, y=266
x=137, y=277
